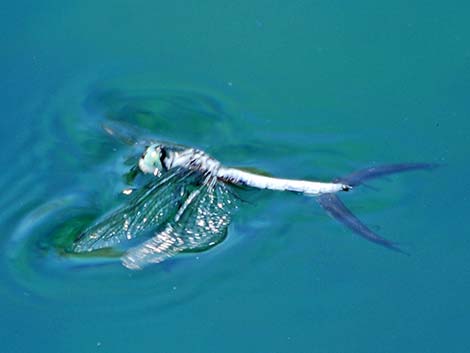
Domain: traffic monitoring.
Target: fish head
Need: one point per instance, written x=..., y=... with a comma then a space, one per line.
x=151, y=160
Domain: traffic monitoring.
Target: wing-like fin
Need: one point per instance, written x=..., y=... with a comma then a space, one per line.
x=149, y=208
x=131, y=135
x=157, y=249
x=125, y=133
x=199, y=224
x=206, y=224
x=336, y=208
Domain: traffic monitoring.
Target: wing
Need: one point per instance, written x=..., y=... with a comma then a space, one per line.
x=200, y=223
x=132, y=135
x=152, y=206
x=125, y=133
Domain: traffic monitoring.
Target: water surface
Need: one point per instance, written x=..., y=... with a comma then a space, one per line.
x=304, y=90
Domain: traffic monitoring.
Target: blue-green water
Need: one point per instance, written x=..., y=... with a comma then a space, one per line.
x=299, y=89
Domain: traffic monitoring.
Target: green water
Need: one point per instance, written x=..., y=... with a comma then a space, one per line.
x=298, y=89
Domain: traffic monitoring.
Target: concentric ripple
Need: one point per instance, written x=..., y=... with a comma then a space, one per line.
x=71, y=171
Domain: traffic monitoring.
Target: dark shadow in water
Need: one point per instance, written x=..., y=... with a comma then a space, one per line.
x=336, y=208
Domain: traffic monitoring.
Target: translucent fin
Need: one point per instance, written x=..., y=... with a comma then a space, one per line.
x=149, y=208
x=131, y=135
x=199, y=224
x=125, y=133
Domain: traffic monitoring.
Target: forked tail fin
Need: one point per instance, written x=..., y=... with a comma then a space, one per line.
x=360, y=176
x=336, y=208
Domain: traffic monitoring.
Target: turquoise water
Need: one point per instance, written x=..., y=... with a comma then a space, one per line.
x=299, y=89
